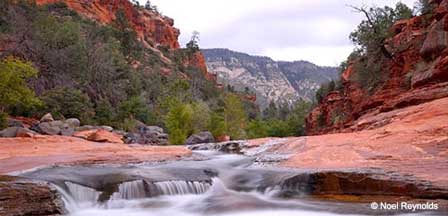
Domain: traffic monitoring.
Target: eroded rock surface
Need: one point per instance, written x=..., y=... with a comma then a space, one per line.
x=25, y=197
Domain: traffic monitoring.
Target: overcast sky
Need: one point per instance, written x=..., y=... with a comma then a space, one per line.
x=313, y=30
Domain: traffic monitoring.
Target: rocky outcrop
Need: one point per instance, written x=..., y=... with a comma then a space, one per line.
x=407, y=145
x=151, y=27
x=24, y=197
x=417, y=74
x=271, y=81
x=18, y=154
x=100, y=135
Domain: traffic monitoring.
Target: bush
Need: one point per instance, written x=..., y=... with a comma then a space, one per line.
x=69, y=103
x=178, y=121
x=217, y=124
x=234, y=116
x=135, y=108
x=257, y=129
x=3, y=120
x=104, y=113
x=13, y=87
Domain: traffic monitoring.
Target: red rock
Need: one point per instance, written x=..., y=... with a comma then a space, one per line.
x=223, y=138
x=411, y=141
x=18, y=154
x=418, y=74
x=99, y=135
x=151, y=28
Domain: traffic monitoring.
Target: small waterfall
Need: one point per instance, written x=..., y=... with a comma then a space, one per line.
x=82, y=194
x=130, y=190
x=181, y=187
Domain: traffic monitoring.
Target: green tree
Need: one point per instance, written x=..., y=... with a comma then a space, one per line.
x=200, y=116
x=135, y=108
x=257, y=128
x=69, y=103
x=178, y=121
x=373, y=31
x=13, y=88
x=217, y=124
x=423, y=7
x=234, y=116
x=193, y=44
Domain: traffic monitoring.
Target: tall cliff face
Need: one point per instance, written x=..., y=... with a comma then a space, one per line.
x=151, y=27
x=418, y=74
x=278, y=82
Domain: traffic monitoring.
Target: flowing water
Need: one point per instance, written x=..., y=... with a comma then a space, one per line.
x=221, y=185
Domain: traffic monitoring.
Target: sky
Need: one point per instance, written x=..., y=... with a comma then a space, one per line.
x=313, y=30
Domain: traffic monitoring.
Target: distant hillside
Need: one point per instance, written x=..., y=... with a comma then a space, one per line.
x=272, y=81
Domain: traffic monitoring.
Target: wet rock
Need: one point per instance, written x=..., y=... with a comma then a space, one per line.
x=47, y=118
x=25, y=197
x=105, y=136
x=233, y=147
x=202, y=137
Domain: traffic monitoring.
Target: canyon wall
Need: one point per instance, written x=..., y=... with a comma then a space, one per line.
x=417, y=73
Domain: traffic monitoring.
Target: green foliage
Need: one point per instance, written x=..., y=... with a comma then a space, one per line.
x=234, y=116
x=135, y=108
x=3, y=120
x=201, y=117
x=193, y=44
x=178, y=121
x=104, y=113
x=217, y=124
x=13, y=88
x=257, y=128
x=281, y=121
x=68, y=103
x=372, y=32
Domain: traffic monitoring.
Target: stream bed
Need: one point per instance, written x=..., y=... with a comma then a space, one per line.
x=219, y=184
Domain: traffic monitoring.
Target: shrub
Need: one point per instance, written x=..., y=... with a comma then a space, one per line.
x=3, y=120
x=178, y=121
x=69, y=103
x=234, y=116
x=257, y=128
x=13, y=87
x=217, y=124
x=135, y=108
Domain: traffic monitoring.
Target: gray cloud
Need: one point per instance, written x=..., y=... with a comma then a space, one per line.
x=316, y=31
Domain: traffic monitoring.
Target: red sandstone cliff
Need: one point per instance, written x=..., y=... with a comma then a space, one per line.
x=151, y=28
x=419, y=74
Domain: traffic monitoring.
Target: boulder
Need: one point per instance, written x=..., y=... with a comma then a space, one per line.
x=26, y=197
x=101, y=135
x=73, y=122
x=86, y=128
x=67, y=129
x=9, y=132
x=24, y=132
x=47, y=118
x=47, y=128
x=107, y=128
x=149, y=135
x=202, y=137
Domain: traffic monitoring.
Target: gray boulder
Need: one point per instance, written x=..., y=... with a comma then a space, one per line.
x=9, y=132
x=47, y=118
x=67, y=129
x=107, y=128
x=47, y=128
x=148, y=135
x=202, y=137
x=73, y=122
